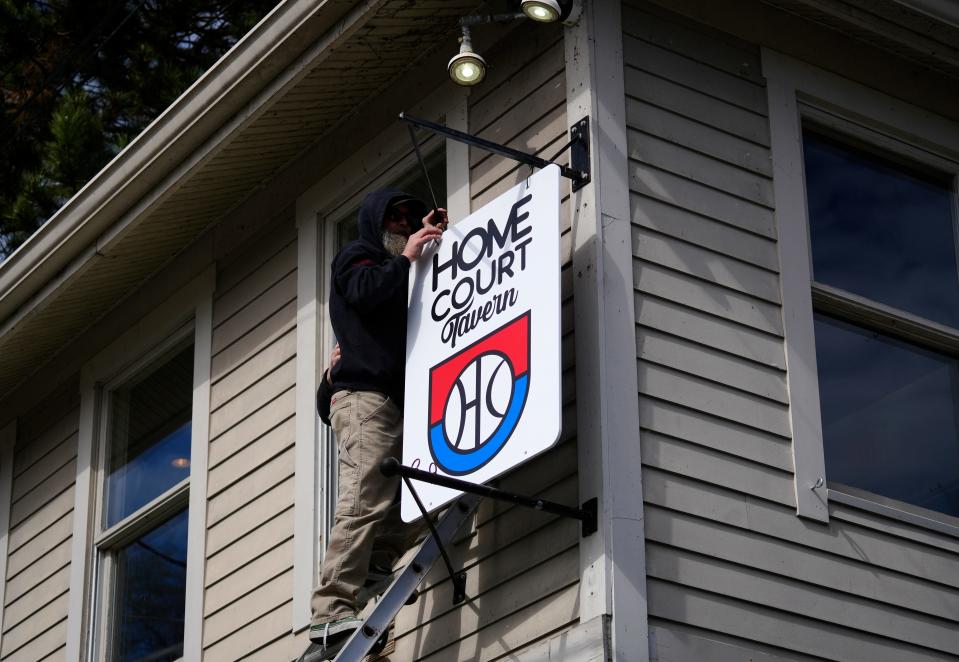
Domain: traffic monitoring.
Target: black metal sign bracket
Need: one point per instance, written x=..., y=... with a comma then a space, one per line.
x=577, y=171
x=587, y=514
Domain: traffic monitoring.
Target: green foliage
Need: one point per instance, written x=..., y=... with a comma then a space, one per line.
x=79, y=79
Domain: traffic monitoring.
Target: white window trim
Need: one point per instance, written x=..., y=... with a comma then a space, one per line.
x=336, y=192
x=8, y=439
x=796, y=90
x=194, y=301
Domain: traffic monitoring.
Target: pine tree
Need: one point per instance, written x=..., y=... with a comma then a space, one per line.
x=79, y=79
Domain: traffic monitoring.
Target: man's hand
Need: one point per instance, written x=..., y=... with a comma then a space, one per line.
x=334, y=359
x=419, y=239
x=437, y=218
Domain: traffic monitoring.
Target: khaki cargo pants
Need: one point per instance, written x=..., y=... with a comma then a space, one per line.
x=367, y=525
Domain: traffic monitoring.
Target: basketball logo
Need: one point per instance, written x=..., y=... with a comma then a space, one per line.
x=477, y=397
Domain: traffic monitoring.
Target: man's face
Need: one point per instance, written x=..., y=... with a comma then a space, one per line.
x=398, y=220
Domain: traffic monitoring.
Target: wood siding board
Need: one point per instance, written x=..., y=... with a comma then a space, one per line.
x=709, y=202
x=661, y=91
x=43, y=492
x=720, y=50
x=269, y=387
x=673, y=221
x=670, y=419
x=787, y=595
x=692, y=70
x=776, y=521
x=44, y=567
x=265, y=420
x=268, y=627
x=49, y=538
x=677, y=642
x=49, y=617
x=707, y=297
x=503, y=604
x=25, y=605
x=250, y=488
x=706, y=170
x=260, y=308
x=272, y=271
x=698, y=137
x=761, y=624
x=253, y=369
x=271, y=328
x=705, y=264
x=246, y=519
x=34, y=449
x=894, y=527
x=242, y=614
x=43, y=647
x=684, y=322
x=241, y=551
x=708, y=363
x=264, y=568
x=57, y=457
x=239, y=264
x=823, y=569
x=242, y=464
x=543, y=132
x=512, y=175
x=42, y=518
x=717, y=468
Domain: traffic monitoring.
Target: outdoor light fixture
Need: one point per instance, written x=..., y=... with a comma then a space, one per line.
x=544, y=11
x=466, y=67
x=469, y=68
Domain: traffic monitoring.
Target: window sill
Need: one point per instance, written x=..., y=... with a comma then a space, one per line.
x=897, y=510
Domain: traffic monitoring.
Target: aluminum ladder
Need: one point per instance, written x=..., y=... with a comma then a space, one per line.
x=408, y=579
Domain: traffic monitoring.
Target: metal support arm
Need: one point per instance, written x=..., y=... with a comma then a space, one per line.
x=587, y=514
x=577, y=171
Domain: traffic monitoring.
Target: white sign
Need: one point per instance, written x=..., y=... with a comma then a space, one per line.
x=483, y=343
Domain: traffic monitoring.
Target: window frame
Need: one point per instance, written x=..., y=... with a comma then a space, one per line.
x=188, y=314
x=799, y=96
x=109, y=540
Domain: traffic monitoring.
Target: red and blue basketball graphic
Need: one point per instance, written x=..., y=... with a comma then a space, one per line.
x=477, y=397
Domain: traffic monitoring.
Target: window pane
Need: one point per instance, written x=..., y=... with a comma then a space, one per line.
x=149, y=436
x=889, y=415
x=881, y=231
x=151, y=595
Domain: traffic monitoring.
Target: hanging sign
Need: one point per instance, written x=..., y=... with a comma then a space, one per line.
x=483, y=343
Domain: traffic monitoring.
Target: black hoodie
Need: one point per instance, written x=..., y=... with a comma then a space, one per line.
x=368, y=304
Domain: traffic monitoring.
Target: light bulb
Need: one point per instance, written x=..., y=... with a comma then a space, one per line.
x=544, y=11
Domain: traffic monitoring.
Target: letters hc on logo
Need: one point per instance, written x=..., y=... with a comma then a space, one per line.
x=477, y=397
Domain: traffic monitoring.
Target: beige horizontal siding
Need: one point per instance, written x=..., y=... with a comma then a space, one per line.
x=41, y=530
x=733, y=573
x=248, y=574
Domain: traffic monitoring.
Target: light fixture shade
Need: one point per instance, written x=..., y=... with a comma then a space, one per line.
x=544, y=11
x=467, y=68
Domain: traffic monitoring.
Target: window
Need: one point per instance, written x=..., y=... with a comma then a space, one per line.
x=143, y=514
x=885, y=292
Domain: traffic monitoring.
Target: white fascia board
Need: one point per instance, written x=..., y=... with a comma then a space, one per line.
x=215, y=107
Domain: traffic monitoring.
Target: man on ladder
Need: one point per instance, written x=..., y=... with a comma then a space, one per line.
x=368, y=306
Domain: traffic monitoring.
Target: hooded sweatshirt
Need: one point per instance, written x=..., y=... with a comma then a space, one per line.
x=368, y=304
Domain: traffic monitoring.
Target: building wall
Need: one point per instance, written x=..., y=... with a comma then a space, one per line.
x=522, y=565
x=41, y=530
x=249, y=547
x=729, y=564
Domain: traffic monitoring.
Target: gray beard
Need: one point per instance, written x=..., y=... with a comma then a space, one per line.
x=394, y=243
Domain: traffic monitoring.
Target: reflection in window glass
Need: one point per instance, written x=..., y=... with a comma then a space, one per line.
x=151, y=595
x=149, y=436
x=881, y=230
x=889, y=415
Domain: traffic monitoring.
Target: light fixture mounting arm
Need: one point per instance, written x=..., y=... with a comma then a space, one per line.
x=577, y=171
